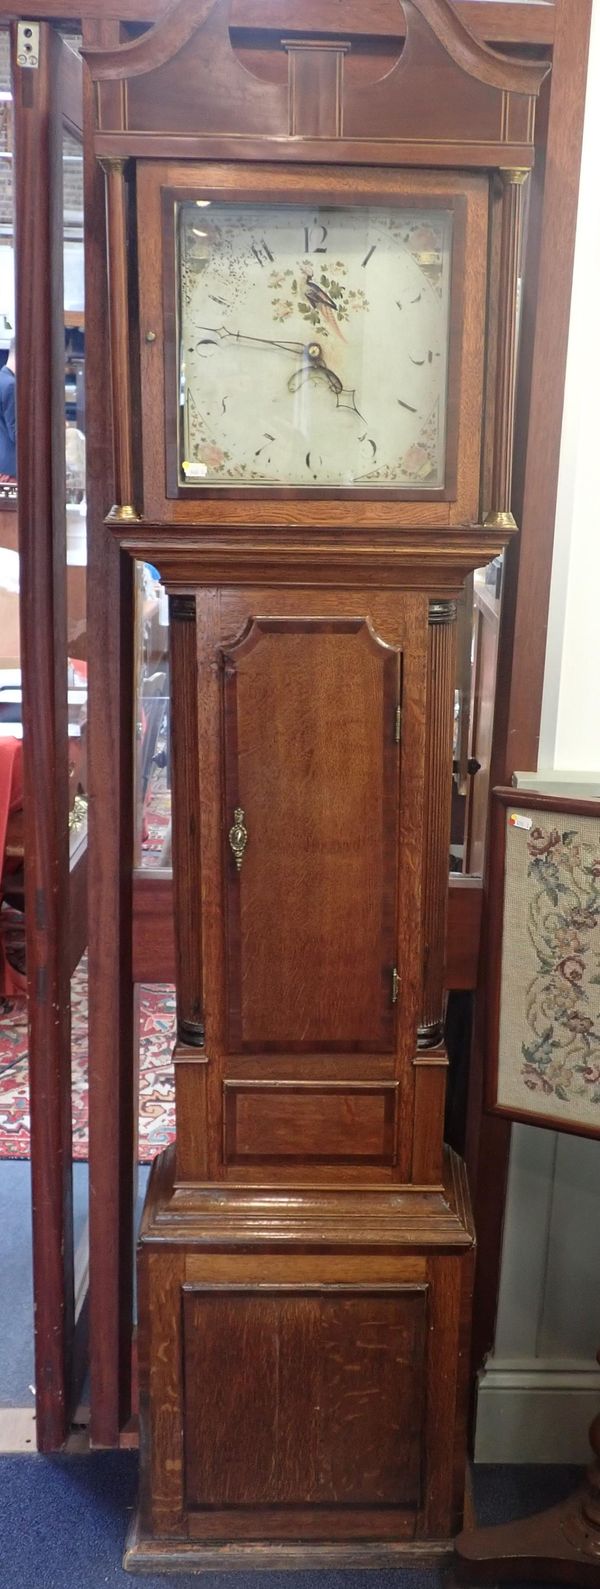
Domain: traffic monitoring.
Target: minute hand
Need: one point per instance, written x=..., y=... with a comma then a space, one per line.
x=221, y=334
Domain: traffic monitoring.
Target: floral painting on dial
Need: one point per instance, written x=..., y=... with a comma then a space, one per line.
x=549, y=1045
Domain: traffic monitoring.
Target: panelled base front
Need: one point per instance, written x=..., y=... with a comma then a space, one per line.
x=302, y=1374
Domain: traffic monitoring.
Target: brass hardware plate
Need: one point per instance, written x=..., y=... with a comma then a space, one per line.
x=238, y=837
x=28, y=45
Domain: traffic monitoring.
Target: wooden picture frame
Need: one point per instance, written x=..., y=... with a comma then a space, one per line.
x=160, y=187
x=544, y=979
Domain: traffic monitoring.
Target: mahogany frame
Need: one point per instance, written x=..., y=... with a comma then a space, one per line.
x=45, y=102
x=113, y=996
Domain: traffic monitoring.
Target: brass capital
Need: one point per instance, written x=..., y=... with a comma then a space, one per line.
x=500, y=521
x=514, y=175
x=442, y=612
x=112, y=163
x=122, y=515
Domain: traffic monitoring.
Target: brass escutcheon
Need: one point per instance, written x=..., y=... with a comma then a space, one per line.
x=238, y=837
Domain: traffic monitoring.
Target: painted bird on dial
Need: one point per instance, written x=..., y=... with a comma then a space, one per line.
x=320, y=300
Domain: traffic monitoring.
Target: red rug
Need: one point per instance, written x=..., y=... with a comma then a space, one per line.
x=157, y=1109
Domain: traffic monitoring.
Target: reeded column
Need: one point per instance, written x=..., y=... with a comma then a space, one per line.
x=438, y=789
x=499, y=515
x=120, y=351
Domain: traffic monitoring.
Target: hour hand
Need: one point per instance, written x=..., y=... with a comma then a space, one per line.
x=314, y=364
x=222, y=335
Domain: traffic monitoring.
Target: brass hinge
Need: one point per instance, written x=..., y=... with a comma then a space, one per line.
x=395, y=985
x=398, y=724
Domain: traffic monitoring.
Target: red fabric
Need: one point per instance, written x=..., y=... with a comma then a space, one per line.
x=11, y=799
x=11, y=783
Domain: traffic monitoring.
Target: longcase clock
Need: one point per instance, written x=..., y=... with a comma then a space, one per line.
x=313, y=382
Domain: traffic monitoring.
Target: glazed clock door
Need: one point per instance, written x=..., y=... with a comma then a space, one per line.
x=313, y=345
x=312, y=765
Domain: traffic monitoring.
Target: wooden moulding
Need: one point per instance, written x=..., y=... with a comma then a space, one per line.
x=512, y=22
x=484, y=103
x=267, y=1216
x=406, y=560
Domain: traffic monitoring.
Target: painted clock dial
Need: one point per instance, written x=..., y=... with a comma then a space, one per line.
x=313, y=345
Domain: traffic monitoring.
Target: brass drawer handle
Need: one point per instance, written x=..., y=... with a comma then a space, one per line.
x=238, y=837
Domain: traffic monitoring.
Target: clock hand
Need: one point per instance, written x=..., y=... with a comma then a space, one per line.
x=221, y=334
x=314, y=363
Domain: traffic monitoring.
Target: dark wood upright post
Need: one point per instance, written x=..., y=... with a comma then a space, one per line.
x=43, y=554
x=110, y=764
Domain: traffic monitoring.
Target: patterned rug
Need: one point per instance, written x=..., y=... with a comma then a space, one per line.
x=157, y=1110
x=157, y=816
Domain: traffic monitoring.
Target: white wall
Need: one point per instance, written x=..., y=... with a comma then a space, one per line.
x=541, y=1386
x=570, y=735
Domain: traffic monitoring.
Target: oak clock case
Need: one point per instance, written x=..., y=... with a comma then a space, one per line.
x=323, y=340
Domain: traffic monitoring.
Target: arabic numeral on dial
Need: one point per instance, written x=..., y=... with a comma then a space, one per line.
x=315, y=238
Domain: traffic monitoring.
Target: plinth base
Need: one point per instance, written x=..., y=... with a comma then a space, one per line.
x=557, y=1546
x=143, y=1553
x=303, y=1374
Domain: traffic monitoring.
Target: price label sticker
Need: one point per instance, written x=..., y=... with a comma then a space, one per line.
x=517, y=821
x=194, y=471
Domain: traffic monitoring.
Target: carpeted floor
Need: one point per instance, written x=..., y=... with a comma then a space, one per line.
x=63, y=1522
x=16, y=1296
x=157, y=1034
x=16, y=1299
